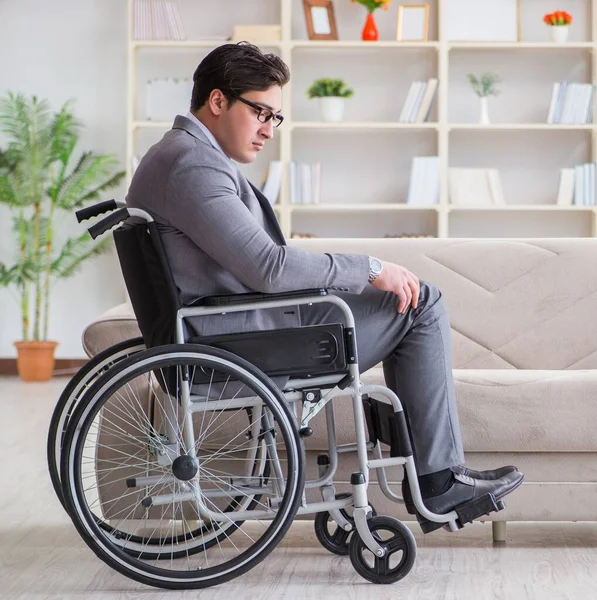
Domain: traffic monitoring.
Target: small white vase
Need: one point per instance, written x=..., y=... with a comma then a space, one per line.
x=559, y=33
x=483, y=111
x=332, y=109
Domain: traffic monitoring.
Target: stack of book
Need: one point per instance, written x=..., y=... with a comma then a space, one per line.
x=418, y=101
x=577, y=186
x=571, y=103
x=475, y=187
x=424, y=180
x=305, y=183
x=157, y=20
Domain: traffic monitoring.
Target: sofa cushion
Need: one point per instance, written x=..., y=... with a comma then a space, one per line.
x=520, y=410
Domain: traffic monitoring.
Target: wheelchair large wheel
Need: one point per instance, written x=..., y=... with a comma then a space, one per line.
x=73, y=392
x=183, y=482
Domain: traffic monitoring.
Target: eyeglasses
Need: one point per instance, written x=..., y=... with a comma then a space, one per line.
x=263, y=114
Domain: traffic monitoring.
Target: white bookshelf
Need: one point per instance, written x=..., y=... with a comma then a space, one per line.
x=376, y=194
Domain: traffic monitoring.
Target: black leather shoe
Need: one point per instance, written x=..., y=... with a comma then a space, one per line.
x=467, y=489
x=488, y=475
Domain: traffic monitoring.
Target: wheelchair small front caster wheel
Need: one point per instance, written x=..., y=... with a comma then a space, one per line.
x=331, y=536
x=400, y=551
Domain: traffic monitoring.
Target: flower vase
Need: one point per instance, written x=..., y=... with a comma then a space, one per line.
x=370, y=33
x=483, y=111
x=559, y=33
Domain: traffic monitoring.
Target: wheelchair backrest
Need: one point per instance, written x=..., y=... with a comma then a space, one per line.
x=149, y=281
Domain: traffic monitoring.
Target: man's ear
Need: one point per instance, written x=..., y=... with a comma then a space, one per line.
x=217, y=102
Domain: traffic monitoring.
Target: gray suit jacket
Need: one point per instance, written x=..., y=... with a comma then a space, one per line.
x=222, y=237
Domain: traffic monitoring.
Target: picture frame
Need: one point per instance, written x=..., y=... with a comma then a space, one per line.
x=320, y=19
x=487, y=21
x=413, y=23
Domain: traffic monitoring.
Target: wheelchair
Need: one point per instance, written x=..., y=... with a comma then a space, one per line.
x=181, y=462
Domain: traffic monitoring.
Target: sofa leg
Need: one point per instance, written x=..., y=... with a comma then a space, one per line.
x=499, y=531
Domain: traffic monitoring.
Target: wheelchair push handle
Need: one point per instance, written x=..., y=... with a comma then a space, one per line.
x=97, y=209
x=108, y=222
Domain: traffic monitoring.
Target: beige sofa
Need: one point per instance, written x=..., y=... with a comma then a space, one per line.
x=524, y=324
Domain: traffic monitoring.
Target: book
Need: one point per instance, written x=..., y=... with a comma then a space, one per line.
x=273, y=181
x=565, y=187
x=423, y=188
x=474, y=187
x=427, y=100
x=412, y=92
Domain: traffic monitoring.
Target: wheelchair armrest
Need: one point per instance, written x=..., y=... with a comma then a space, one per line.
x=235, y=299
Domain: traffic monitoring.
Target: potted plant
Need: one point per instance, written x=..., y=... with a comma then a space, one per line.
x=484, y=87
x=332, y=94
x=559, y=25
x=39, y=180
x=370, y=32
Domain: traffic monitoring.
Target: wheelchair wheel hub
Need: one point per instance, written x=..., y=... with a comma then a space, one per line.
x=185, y=467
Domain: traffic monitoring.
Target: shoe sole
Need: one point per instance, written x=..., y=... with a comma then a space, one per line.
x=428, y=526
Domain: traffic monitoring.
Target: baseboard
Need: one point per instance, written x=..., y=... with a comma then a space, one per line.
x=63, y=367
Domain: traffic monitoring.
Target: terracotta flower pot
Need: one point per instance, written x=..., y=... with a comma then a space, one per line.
x=35, y=360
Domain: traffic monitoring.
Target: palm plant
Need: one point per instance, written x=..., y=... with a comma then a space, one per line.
x=39, y=179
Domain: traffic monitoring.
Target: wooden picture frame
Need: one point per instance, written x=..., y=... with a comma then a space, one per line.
x=413, y=23
x=487, y=21
x=320, y=18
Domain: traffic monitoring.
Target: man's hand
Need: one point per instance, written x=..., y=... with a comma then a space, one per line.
x=401, y=282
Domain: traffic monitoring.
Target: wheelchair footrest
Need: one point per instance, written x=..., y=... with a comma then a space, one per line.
x=474, y=509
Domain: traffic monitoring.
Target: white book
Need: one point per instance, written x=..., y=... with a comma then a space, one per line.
x=305, y=179
x=586, y=184
x=551, y=113
x=413, y=181
x=412, y=90
x=292, y=180
x=587, y=99
x=495, y=187
x=171, y=9
x=432, y=164
x=469, y=187
x=566, y=115
x=271, y=187
x=427, y=100
x=178, y=21
x=316, y=183
x=417, y=102
x=565, y=187
x=578, y=186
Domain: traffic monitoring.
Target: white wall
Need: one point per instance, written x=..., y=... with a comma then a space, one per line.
x=61, y=50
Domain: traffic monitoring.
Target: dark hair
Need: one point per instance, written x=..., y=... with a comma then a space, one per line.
x=236, y=69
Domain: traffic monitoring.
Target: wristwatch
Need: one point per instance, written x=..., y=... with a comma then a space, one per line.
x=375, y=268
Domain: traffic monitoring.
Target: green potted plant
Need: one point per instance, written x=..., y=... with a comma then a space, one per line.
x=332, y=94
x=484, y=87
x=40, y=179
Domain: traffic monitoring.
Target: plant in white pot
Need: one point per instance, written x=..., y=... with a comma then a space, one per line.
x=559, y=25
x=40, y=178
x=484, y=86
x=332, y=94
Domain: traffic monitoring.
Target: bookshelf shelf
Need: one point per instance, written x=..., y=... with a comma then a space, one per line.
x=520, y=46
x=365, y=160
x=361, y=125
x=520, y=126
x=360, y=207
x=521, y=207
x=338, y=45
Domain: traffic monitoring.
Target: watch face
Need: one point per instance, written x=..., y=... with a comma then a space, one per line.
x=376, y=266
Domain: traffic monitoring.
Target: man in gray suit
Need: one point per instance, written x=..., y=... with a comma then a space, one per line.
x=222, y=237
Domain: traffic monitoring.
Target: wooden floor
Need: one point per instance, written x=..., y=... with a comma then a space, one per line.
x=42, y=556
